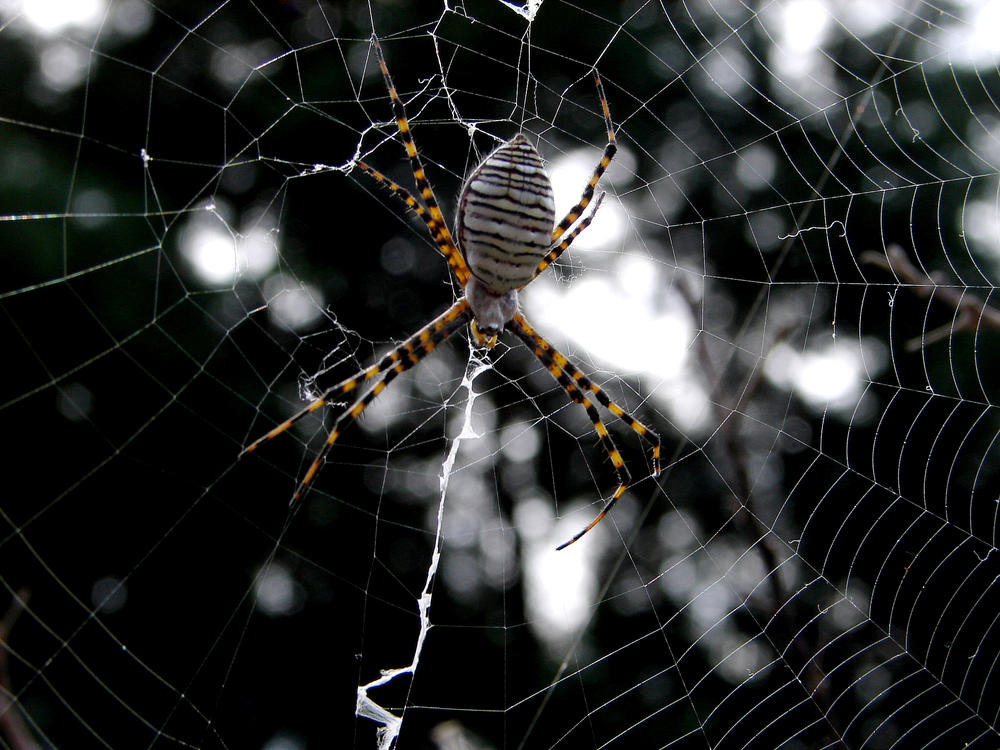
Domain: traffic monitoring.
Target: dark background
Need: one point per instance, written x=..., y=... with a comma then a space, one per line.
x=856, y=549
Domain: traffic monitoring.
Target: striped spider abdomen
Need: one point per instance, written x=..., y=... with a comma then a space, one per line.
x=506, y=214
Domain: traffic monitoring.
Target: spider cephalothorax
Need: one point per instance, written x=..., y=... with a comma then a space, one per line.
x=505, y=238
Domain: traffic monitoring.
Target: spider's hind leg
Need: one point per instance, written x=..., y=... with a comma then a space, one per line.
x=553, y=254
x=433, y=217
x=609, y=153
x=560, y=239
x=438, y=231
x=576, y=384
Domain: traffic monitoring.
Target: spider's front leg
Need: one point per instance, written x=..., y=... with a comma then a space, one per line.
x=576, y=385
x=394, y=363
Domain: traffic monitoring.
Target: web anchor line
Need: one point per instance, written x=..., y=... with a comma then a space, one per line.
x=366, y=707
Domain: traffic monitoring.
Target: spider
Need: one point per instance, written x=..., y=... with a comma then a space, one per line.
x=506, y=236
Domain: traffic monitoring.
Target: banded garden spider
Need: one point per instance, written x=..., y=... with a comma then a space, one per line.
x=506, y=238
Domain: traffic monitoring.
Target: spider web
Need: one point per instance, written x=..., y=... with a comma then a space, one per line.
x=790, y=279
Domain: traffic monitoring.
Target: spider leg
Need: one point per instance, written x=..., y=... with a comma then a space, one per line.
x=446, y=243
x=552, y=255
x=395, y=362
x=576, y=385
x=602, y=165
x=439, y=233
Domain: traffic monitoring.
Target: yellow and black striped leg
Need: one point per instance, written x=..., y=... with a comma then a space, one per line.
x=439, y=232
x=553, y=255
x=399, y=360
x=576, y=385
x=609, y=153
x=445, y=243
